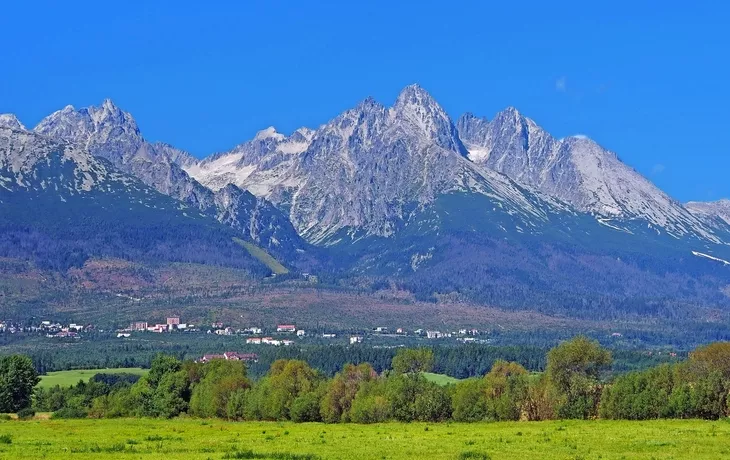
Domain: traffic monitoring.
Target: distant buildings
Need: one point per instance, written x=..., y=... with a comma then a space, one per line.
x=231, y=356
x=355, y=339
x=434, y=334
x=286, y=328
x=173, y=321
x=138, y=326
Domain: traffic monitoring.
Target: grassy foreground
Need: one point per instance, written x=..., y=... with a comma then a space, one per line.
x=212, y=439
x=68, y=378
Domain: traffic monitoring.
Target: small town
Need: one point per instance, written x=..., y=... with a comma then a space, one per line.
x=275, y=335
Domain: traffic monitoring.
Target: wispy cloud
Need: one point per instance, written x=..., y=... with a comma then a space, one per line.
x=658, y=169
x=561, y=84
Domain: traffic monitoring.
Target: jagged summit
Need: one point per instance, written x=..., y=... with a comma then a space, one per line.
x=576, y=170
x=268, y=133
x=713, y=212
x=9, y=120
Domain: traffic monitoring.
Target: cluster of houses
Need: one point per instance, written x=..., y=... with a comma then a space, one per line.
x=231, y=356
x=171, y=324
x=49, y=328
x=464, y=335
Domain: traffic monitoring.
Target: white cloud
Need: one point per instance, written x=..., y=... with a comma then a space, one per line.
x=579, y=136
x=561, y=84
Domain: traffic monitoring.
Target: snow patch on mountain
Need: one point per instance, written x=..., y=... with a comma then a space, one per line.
x=707, y=256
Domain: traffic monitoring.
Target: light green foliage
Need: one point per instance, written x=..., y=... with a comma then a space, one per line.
x=18, y=377
x=683, y=390
x=412, y=397
x=469, y=401
x=573, y=369
x=273, y=397
x=411, y=360
x=506, y=388
x=500, y=395
x=341, y=391
x=712, y=357
x=220, y=381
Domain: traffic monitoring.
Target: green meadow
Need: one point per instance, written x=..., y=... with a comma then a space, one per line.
x=188, y=438
x=68, y=378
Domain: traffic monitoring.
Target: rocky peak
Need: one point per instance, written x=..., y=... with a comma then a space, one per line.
x=106, y=130
x=269, y=133
x=417, y=112
x=9, y=120
x=712, y=210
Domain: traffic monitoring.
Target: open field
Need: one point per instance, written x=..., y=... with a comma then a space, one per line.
x=68, y=378
x=440, y=379
x=213, y=439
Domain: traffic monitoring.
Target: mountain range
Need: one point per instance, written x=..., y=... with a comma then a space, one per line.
x=491, y=211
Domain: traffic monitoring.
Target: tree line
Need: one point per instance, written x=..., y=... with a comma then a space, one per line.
x=574, y=385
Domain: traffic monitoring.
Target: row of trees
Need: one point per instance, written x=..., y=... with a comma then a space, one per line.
x=572, y=386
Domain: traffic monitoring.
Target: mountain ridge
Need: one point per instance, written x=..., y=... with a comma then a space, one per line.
x=498, y=211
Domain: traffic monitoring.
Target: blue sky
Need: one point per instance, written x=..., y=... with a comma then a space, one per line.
x=651, y=83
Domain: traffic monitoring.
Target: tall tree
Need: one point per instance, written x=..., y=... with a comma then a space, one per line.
x=412, y=360
x=573, y=369
x=18, y=377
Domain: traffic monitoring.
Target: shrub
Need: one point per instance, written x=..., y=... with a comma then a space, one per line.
x=6, y=439
x=70, y=412
x=469, y=455
x=26, y=413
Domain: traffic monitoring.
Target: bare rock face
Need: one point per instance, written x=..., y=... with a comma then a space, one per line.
x=363, y=171
x=575, y=170
x=112, y=134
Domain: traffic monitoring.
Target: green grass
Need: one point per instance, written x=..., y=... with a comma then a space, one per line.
x=440, y=379
x=263, y=256
x=68, y=378
x=188, y=438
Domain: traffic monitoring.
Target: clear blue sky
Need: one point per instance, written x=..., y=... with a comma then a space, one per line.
x=649, y=82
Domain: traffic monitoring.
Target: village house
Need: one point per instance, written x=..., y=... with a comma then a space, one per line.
x=286, y=328
x=355, y=339
x=328, y=336
x=434, y=334
x=159, y=328
x=301, y=333
x=173, y=321
x=138, y=326
x=254, y=341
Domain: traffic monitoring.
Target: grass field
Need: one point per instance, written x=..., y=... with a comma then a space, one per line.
x=263, y=257
x=68, y=378
x=213, y=439
x=440, y=379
